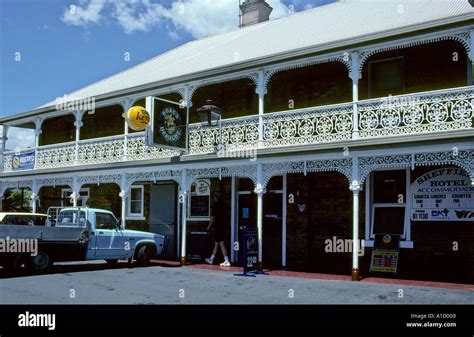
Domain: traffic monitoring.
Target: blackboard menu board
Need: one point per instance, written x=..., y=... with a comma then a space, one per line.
x=385, y=253
x=199, y=206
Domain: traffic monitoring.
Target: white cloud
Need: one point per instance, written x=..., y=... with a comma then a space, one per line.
x=86, y=12
x=203, y=18
x=200, y=18
x=137, y=15
x=20, y=137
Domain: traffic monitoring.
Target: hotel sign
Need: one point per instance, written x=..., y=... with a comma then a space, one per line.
x=170, y=129
x=443, y=195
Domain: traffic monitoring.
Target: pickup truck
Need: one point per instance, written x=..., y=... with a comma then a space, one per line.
x=78, y=234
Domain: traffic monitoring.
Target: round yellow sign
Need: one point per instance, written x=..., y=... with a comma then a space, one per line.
x=138, y=118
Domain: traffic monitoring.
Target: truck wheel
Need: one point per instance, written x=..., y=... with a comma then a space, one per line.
x=41, y=261
x=144, y=255
x=13, y=265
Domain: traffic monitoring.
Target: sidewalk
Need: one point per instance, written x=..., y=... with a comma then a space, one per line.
x=332, y=277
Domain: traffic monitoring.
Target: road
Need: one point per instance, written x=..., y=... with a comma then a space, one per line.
x=100, y=284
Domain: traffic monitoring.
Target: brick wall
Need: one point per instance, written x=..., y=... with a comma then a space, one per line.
x=433, y=257
x=328, y=213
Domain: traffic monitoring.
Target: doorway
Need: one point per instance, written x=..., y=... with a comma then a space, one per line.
x=163, y=214
x=273, y=229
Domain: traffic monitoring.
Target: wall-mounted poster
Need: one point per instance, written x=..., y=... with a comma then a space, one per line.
x=23, y=161
x=199, y=199
x=443, y=195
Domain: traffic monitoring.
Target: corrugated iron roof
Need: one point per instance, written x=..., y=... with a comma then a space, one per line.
x=318, y=26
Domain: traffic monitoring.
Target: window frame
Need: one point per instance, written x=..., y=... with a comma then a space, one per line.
x=369, y=74
x=374, y=206
x=83, y=198
x=405, y=239
x=140, y=215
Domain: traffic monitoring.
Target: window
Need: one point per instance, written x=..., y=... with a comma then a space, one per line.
x=135, y=202
x=200, y=199
x=386, y=77
x=84, y=194
x=105, y=221
x=388, y=212
x=389, y=220
x=389, y=186
x=71, y=218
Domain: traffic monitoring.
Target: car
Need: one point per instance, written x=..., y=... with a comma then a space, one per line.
x=23, y=219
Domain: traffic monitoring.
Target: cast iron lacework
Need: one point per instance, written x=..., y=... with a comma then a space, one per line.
x=418, y=113
x=248, y=171
x=463, y=159
x=343, y=166
x=27, y=183
x=174, y=175
x=99, y=179
x=57, y=155
x=308, y=126
x=369, y=164
x=462, y=37
x=44, y=182
x=237, y=134
x=137, y=150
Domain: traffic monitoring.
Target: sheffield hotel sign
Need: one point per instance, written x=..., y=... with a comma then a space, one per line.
x=443, y=195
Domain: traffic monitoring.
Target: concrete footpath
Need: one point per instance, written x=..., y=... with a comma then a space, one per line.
x=99, y=283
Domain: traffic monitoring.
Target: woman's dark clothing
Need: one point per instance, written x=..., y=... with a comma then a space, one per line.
x=219, y=211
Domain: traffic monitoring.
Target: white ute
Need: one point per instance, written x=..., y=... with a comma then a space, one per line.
x=78, y=234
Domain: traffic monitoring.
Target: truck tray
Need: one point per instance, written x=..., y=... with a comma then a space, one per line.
x=43, y=233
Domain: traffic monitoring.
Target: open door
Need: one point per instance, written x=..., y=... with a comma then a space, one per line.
x=163, y=214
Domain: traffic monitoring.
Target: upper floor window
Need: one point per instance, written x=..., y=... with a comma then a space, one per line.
x=386, y=77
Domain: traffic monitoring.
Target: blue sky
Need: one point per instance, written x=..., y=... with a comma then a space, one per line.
x=50, y=48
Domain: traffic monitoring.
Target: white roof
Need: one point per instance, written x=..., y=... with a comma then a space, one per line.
x=314, y=27
x=4, y=214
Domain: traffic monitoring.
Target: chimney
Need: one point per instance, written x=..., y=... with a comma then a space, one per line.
x=255, y=11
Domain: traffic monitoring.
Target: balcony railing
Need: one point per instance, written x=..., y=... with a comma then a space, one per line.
x=422, y=113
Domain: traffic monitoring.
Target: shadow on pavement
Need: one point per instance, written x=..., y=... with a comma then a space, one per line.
x=73, y=267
